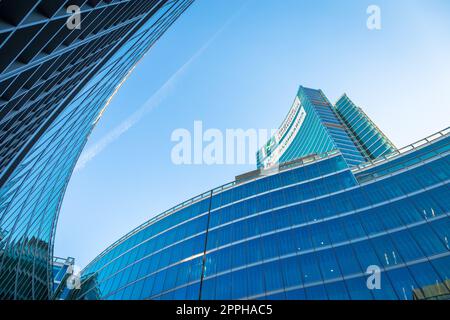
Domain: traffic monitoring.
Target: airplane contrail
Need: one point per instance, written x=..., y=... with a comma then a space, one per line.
x=155, y=100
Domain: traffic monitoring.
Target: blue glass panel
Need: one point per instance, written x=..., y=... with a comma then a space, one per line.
x=424, y=274
x=371, y=222
x=328, y=265
x=337, y=291
x=319, y=234
x=428, y=240
x=336, y=231
x=387, y=252
x=192, y=291
x=386, y=291
x=180, y=294
x=366, y=254
x=298, y=294
x=310, y=268
x=353, y=227
x=407, y=246
x=272, y=276
x=239, y=284
x=147, y=287
x=442, y=229
x=255, y=280
x=316, y=293
x=303, y=239
x=442, y=267
x=278, y=296
x=291, y=272
x=357, y=288
x=403, y=283
x=347, y=260
x=223, y=287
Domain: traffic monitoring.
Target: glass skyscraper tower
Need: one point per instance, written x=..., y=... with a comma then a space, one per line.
x=332, y=202
x=56, y=78
x=314, y=125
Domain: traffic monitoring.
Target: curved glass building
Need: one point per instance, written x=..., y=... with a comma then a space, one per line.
x=311, y=228
x=314, y=125
x=55, y=83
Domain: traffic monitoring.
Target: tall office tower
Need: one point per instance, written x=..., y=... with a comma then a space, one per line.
x=56, y=78
x=316, y=228
x=314, y=125
x=371, y=139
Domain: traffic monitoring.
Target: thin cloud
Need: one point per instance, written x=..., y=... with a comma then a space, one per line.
x=156, y=99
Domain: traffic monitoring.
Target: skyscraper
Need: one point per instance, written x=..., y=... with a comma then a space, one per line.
x=56, y=78
x=371, y=139
x=314, y=125
x=317, y=227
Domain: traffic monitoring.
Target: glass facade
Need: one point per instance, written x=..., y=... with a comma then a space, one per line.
x=62, y=268
x=54, y=86
x=312, y=126
x=342, y=199
x=311, y=230
x=372, y=140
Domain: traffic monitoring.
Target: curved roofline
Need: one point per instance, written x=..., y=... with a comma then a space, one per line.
x=260, y=174
x=255, y=175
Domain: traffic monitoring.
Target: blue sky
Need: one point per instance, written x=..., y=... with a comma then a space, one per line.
x=238, y=64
